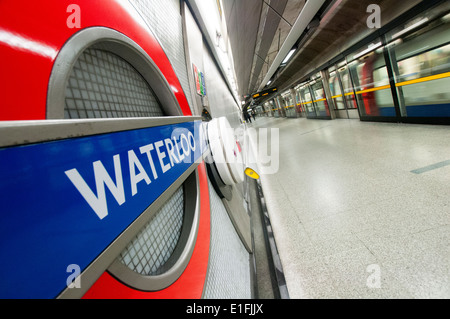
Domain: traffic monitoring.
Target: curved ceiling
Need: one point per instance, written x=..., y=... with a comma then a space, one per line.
x=258, y=28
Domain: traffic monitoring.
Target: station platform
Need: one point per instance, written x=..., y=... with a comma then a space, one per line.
x=360, y=209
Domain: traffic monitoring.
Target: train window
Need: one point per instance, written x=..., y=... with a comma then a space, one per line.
x=277, y=108
x=335, y=89
x=307, y=100
x=371, y=81
x=298, y=100
x=103, y=85
x=274, y=108
x=290, y=109
x=420, y=55
x=347, y=85
x=322, y=108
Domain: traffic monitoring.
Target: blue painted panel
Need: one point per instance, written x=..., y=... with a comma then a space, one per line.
x=387, y=111
x=431, y=110
x=45, y=222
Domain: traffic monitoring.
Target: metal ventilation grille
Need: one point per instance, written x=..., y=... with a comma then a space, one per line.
x=147, y=253
x=156, y=14
x=103, y=85
x=229, y=262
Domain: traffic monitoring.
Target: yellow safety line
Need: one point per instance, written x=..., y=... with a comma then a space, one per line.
x=384, y=87
x=420, y=80
x=425, y=79
x=366, y=91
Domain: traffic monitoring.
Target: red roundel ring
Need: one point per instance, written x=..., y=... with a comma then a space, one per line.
x=190, y=284
x=32, y=35
x=31, y=38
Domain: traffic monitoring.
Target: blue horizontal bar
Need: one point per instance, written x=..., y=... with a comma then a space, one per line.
x=430, y=167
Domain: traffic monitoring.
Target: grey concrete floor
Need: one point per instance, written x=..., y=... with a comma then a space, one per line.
x=360, y=209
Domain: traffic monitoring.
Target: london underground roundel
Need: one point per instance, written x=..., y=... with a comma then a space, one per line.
x=39, y=48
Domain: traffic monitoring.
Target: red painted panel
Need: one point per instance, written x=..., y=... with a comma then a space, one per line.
x=191, y=282
x=32, y=34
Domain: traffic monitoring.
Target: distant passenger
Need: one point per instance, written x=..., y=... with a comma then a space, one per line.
x=247, y=117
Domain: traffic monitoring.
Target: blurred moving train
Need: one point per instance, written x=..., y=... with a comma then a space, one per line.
x=401, y=75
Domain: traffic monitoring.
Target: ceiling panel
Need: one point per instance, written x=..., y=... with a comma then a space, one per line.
x=257, y=30
x=242, y=24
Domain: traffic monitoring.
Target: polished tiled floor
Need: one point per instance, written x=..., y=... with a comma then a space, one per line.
x=350, y=217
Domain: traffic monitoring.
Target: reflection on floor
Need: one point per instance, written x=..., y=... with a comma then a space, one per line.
x=351, y=216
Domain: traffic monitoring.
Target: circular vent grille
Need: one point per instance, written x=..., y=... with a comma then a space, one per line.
x=152, y=247
x=103, y=85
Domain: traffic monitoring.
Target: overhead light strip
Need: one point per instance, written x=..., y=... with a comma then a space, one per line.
x=288, y=56
x=415, y=25
x=370, y=49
